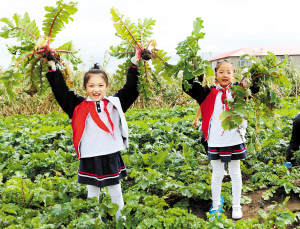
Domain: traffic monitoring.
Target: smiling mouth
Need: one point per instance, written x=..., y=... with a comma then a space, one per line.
x=96, y=94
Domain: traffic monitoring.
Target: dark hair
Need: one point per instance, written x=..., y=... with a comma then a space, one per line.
x=219, y=62
x=96, y=69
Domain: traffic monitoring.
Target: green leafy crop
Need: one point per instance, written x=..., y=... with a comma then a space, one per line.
x=190, y=62
x=138, y=37
x=267, y=76
x=27, y=68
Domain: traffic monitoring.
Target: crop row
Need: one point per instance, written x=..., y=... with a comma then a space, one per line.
x=168, y=171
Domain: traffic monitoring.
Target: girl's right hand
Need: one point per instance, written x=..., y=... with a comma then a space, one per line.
x=50, y=63
x=136, y=58
x=195, y=123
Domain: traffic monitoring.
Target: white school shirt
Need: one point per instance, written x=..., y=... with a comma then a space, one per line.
x=217, y=137
x=97, y=142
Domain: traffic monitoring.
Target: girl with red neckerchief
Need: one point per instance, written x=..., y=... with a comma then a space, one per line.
x=99, y=126
x=223, y=146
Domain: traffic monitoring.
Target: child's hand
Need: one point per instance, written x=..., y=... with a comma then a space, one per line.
x=245, y=83
x=50, y=63
x=136, y=58
x=195, y=123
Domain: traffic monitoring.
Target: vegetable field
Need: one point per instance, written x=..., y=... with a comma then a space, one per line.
x=169, y=175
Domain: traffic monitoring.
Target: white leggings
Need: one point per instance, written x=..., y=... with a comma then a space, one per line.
x=114, y=191
x=216, y=181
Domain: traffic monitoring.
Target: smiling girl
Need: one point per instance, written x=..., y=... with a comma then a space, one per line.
x=223, y=146
x=99, y=126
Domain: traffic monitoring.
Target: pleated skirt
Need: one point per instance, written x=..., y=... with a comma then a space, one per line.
x=102, y=171
x=228, y=153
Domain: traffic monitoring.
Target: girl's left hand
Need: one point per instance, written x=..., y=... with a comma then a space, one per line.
x=195, y=123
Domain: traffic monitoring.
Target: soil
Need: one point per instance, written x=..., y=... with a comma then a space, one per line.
x=201, y=207
x=51, y=55
x=146, y=54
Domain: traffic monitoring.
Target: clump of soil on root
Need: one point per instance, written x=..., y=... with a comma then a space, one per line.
x=50, y=55
x=146, y=54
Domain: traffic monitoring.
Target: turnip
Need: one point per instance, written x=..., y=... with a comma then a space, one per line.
x=137, y=37
x=27, y=67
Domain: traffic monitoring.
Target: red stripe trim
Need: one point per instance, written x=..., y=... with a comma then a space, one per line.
x=213, y=150
x=135, y=67
x=239, y=150
x=225, y=152
x=110, y=175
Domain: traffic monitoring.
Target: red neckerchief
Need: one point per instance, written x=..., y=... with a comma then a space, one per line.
x=224, y=97
x=96, y=118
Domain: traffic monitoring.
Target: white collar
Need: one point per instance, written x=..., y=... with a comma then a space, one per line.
x=227, y=87
x=89, y=99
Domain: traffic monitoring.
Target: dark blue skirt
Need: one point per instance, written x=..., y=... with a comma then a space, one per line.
x=102, y=171
x=228, y=153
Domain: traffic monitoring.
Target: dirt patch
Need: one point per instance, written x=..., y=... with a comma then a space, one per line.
x=293, y=226
x=251, y=210
x=201, y=207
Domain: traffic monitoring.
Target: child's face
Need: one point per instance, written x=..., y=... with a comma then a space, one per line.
x=225, y=74
x=96, y=87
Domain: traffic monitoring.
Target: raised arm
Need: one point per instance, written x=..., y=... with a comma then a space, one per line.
x=129, y=93
x=65, y=97
x=197, y=92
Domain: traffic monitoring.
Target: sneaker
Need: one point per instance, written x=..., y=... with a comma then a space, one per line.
x=220, y=209
x=237, y=212
x=213, y=211
x=221, y=201
x=288, y=164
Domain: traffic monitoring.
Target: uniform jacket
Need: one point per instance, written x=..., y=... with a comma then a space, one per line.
x=206, y=97
x=76, y=106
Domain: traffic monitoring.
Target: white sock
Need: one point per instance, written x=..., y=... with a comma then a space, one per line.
x=93, y=191
x=216, y=182
x=236, y=181
x=115, y=192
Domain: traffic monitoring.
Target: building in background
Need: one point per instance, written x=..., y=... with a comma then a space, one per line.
x=260, y=51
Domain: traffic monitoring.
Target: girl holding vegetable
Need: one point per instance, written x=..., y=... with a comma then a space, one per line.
x=99, y=126
x=223, y=146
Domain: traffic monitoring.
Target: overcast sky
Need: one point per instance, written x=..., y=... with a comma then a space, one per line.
x=228, y=25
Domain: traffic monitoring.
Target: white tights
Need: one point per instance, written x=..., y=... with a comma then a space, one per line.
x=114, y=191
x=216, y=181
